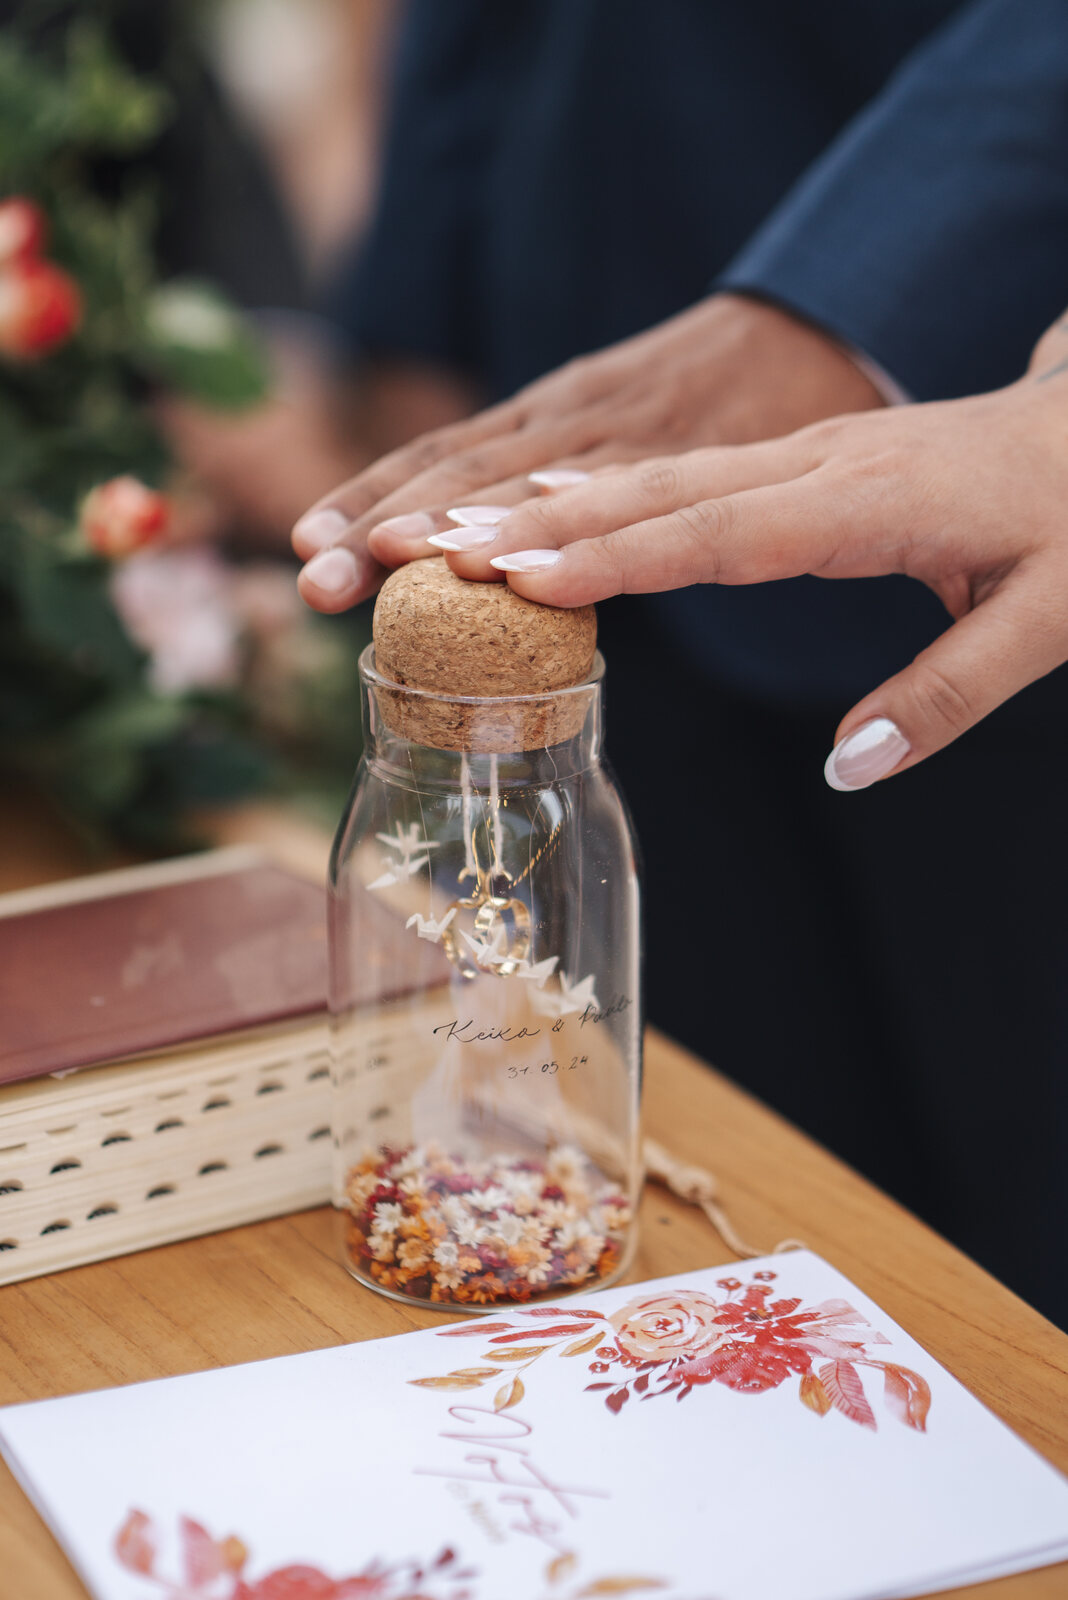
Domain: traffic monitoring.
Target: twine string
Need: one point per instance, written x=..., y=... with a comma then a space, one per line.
x=699, y=1188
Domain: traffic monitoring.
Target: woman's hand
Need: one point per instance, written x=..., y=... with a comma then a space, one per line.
x=968, y=496
x=725, y=372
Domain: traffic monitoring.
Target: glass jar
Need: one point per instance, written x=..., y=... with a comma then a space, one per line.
x=485, y=1008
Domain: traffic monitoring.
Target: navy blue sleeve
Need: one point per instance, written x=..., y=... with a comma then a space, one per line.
x=933, y=234
x=409, y=287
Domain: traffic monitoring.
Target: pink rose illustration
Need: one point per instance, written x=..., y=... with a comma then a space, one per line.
x=667, y=1326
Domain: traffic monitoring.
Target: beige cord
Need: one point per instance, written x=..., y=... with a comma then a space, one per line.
x=700, y=1188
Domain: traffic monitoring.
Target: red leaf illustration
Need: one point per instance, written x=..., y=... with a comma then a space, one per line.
x=201, y=1556
x=543, y=1333
x=616, y=1402
x=554, y=1311
x=814, y=1395
x=135, y=1544
x=842, y=1382
x=908, y=1396
x=475, y=1330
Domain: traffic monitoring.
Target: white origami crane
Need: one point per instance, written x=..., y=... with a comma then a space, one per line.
x=488, y=953
x=537, y=972
x=569, y=997
x=428, y=928
x=409, y=842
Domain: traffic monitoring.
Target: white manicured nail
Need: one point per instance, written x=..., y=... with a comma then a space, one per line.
x=319, y=529
x=558, y=477
x=527, y=560
x=333, y=571
x=479, y=516
x=870, y=753
x=463, y=539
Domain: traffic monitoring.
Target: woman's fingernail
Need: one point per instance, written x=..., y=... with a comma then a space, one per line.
x=527, y=560
x=413, y=525
x=558, y=477
x=479, y=516
x=463, y=538
x=870, y=753
x=320, y=528
x=333, y=571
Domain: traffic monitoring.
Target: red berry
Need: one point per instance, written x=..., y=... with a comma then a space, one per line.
x=23, y=229
x=122, y=515
x=598, y=1366
x=40, y=307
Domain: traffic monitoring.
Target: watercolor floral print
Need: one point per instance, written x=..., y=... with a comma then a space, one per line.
x=216, y=1569
x=679, y=1340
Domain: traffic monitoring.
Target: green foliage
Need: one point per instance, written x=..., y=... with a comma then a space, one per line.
x=96, y=106
x=80, y=718
x=195, y=342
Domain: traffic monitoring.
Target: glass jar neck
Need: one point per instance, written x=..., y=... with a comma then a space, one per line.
x=448, y=741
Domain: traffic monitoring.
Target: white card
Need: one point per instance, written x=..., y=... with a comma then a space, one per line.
x=756, y=1432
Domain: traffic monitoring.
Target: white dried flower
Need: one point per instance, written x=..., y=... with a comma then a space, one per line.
x=388, y=1216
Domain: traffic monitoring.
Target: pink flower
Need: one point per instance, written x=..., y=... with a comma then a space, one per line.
x=176, y=604
x=122, y=515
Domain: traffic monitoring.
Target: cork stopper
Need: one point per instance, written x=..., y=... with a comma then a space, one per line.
x=460, y=646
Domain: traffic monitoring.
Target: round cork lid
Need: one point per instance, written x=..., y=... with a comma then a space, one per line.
x=455, y=641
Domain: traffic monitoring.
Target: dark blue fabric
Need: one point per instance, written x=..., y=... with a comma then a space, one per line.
x=562, y=173
x=934, y=233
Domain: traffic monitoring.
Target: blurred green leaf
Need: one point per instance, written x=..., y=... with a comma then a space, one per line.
x=196, y=342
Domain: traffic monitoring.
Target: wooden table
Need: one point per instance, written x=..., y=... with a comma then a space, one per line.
x=276, y=1288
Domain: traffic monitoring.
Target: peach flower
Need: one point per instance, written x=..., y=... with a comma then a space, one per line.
x=668, y=1325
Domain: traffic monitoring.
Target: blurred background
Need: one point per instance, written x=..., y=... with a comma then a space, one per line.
x=179, y=183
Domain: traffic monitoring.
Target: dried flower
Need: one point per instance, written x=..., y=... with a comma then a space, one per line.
x=452, y=1230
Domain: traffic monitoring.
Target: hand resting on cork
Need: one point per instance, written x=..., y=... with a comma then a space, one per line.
x=967, y=496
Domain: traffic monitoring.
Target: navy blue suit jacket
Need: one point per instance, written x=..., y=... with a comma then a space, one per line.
x=562, y=173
